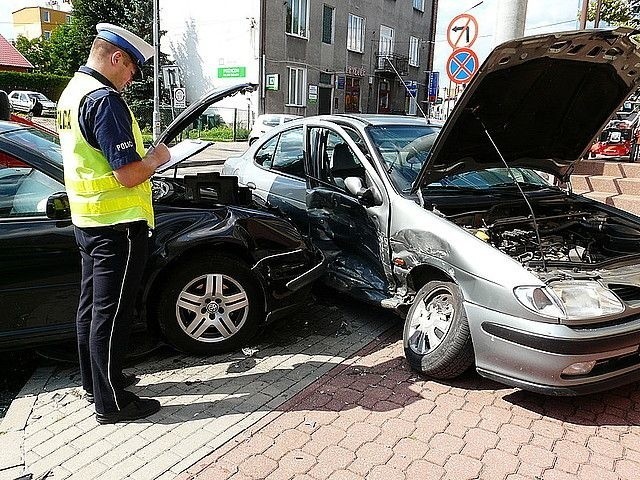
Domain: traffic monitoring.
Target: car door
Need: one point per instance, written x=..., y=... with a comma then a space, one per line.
x=277, y=175
x=39, y=260
x=352, y=232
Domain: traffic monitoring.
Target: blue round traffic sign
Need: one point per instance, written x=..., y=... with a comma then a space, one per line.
x=462, y=65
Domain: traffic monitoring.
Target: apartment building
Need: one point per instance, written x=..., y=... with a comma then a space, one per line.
x=35, y=22
x=333, y=56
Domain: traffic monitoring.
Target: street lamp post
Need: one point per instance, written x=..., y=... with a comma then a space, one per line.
x=156, y=69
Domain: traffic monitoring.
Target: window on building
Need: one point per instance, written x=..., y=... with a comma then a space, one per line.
x=68, y=18
x=297, y=86
x=418, y=5
x=386, y=40
x=352, y=95
x=46, y=35
x=325, y=78
x=46, y=16
x=297, y=17
x=327, y=24
x=414, y=51
x=355, y=33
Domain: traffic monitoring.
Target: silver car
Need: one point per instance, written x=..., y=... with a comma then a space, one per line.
x=32, y=102
x=454, y=228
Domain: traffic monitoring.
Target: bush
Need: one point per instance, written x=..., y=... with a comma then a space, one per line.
x=221, y=133
x=49, y=85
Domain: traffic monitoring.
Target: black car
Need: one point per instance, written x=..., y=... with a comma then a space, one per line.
x=218, y=269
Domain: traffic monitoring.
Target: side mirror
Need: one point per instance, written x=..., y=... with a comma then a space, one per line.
x=58, y=206
x=368, y=197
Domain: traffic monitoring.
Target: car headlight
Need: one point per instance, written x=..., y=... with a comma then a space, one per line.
x=570, y=300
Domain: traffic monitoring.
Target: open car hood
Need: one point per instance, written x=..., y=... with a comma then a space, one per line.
x=192, y=112
x=542, y=100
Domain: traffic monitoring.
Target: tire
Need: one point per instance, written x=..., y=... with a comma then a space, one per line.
x=195, y=319
x=36, y=110
x=436, y=337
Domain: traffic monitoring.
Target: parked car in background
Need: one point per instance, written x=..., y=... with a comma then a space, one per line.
x=617, y=139
x=452, y=227
x=266, y=122
x=218, y=270
x=32, y=102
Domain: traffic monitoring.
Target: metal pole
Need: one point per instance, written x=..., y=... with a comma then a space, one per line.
x=583, y=14
x=598, y=12
x=156, y=69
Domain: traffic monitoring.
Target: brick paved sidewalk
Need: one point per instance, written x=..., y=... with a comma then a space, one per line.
x=372, y=418
x=206, y=401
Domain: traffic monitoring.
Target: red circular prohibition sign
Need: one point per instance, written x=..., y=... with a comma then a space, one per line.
x=462, y=65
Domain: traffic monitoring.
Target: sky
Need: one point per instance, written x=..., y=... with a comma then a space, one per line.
x=542, y=16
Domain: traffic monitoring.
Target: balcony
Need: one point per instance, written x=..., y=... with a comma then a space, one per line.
x=387, y=62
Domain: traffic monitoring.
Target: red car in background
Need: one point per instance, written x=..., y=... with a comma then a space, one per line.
x=616, y=140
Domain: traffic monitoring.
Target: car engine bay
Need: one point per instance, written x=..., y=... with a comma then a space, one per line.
x=570, y=233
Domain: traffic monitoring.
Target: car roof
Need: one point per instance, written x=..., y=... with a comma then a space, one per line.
x=375, y=119
x=6, y=126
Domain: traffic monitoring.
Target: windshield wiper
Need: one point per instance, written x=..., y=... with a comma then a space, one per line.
x=530, y=186
x=455, y=188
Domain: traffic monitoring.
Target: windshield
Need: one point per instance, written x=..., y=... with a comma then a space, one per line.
x=403, y=149
x=37, y=140
x=491, y=178
x=38, y=96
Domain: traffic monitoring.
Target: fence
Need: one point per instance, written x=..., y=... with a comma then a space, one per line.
x=216, y=123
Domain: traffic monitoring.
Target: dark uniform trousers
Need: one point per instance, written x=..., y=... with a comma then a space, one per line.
x=113, y=260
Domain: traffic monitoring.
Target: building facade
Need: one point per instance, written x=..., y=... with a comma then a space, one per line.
x=333, y=56
x=35, y=22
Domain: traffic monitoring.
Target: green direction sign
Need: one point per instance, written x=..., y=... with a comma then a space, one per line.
x=232, y=72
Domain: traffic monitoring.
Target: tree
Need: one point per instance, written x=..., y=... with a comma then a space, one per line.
x=134, y=15
x=36, y=51
x=190, y=62
x=613, y=12
x=66, y=54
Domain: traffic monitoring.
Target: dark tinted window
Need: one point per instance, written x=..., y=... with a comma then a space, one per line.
x=289, y=154
x=327, y=24
x=264, y=155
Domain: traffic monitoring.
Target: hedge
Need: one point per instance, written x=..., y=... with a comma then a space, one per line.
x=49, y=85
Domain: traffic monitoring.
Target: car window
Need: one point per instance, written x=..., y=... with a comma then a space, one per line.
x=24, y=191
x=264, y=155
x=403, y=150
x=37, y=140
x=337, y=159
x=289, y=154
x=491, y=177
x=271, y=120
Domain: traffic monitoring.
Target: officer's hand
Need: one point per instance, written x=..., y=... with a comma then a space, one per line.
x=160, y=155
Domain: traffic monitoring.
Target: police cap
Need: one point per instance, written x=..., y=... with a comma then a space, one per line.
x=139, y=50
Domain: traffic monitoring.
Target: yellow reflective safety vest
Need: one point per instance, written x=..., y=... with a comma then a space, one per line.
x=96, y=198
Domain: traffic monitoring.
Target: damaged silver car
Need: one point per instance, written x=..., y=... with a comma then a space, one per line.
x=454, y=227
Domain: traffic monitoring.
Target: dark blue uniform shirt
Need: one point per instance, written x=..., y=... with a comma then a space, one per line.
x=106, y=123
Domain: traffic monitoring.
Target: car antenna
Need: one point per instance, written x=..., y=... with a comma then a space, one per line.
x=411, y=94
x=515, y=181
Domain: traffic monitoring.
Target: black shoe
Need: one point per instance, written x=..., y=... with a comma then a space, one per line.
x=126, y=380
x=139, y=408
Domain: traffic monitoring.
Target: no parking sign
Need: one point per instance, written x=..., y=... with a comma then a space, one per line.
x=462, y=65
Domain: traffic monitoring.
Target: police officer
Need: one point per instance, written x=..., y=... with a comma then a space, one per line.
x=107, y=176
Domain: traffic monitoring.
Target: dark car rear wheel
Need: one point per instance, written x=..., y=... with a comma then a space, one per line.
x=210, y=305
x=436, y=336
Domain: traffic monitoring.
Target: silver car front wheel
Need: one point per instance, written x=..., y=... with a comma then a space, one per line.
x=436, y=335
